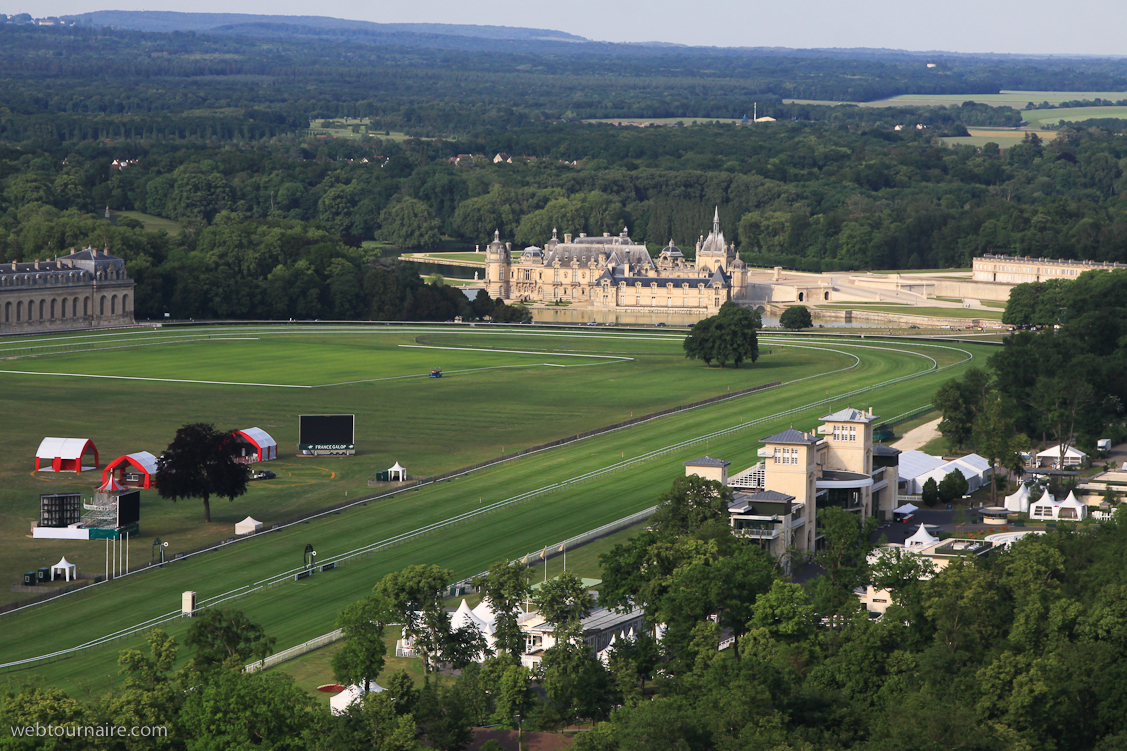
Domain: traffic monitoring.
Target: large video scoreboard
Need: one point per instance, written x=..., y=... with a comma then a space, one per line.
x=322, y=435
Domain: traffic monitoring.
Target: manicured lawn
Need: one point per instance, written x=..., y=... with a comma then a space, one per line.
x=914, y=310
x=151, y=222
x=486, y=402
x=631, y=468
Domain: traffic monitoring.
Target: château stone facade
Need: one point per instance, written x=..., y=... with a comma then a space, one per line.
x=86, y=289
x=615, y=273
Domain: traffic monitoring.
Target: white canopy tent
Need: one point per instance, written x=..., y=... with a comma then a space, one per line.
x=1050, y=457
x=1019, y=500
x=248, y=526
x=1071, y=508
x=340, y=703
x=66, y=568
x=399, y=470
x=906, y=510
x=921, y=538
x=1044, y=507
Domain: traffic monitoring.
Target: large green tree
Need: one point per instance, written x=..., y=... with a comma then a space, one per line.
x=199, y=463
x=727, y=337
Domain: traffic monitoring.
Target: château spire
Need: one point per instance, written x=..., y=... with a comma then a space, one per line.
x=716, y=221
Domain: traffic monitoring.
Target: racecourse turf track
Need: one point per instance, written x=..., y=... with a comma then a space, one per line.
x=524, y=503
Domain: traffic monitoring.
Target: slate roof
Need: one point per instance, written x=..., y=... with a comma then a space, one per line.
x=768, y=495
x=879, y=449
x=849, y=414
x=792, y=436
x=707, y=461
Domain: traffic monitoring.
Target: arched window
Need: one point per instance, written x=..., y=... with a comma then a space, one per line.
x=7, y=312
x=30, y=309
x=826, y=296
x=125, y=303
x=801, y=296
x=74, y=307
x=102, y=306
x=86, y=306
x=113, y=305
x=52, y=310
x=42, y=309
x=63, y=308
x=19, y=310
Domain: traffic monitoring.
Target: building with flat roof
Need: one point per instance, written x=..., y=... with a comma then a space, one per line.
x=776, y=501
x=1022, y=270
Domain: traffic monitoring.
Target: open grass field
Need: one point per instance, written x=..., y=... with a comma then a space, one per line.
x=1038, y=118
x=353, y=127
x=129, y=391
x=503, y=511
x=154, y=223
x=474, y=259
x=667, y=120
x=914, y=310
x=1015, y=99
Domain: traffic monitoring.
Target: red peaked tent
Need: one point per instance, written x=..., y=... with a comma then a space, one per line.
x=142, y=464
x=65, y=454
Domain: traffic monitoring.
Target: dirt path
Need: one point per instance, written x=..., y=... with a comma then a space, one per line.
x=919, y=436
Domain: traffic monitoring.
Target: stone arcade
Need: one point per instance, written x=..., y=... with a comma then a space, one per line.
x=83, y=290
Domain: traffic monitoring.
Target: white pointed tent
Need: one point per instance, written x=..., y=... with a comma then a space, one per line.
x=1043, y=508
x=248, y=526
x=1071, y=508
x=340, y=703
x=921, y=538
x=465, y=616
x=399, y=470
x=1019, y=500
x=66, y=568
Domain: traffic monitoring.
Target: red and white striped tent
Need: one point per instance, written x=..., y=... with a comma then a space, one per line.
x=133, y=470
x=65, y=454
x=255, y=445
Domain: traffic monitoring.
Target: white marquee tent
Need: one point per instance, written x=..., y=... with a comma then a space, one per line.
x=1044, y=507
x=340, y=703
x=1018, y=500
x=921, y=538
x=398, y=472
x=65, y=568
x=248, y=526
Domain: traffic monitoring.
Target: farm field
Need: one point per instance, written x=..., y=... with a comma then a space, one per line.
x=573, y=488
x=1004, y=137
x=129, y=391
x=1038, y=118
x=1015, y=99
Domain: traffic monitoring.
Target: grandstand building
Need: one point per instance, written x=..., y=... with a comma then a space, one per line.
x=87, y=289
x=615, y=273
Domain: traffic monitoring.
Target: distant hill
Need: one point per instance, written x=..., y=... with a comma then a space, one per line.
x=166, y=21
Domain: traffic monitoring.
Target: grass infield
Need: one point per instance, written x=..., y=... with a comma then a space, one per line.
x=430, y=426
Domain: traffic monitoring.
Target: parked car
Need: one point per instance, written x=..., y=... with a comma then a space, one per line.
x=660, y=324
x=913, y=326
x=263, y=475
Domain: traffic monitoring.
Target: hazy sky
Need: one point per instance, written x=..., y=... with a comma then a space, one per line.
x=1033, y=26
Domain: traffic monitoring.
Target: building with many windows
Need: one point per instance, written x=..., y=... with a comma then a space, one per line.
x=615, y=273
x=86, y=289
x=777, y=501
x=1022, y=270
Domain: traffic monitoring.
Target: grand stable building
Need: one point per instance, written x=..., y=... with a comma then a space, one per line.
x=86, y=289
x=615, y=273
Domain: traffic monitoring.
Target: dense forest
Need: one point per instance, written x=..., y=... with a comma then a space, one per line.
x=814, y=195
